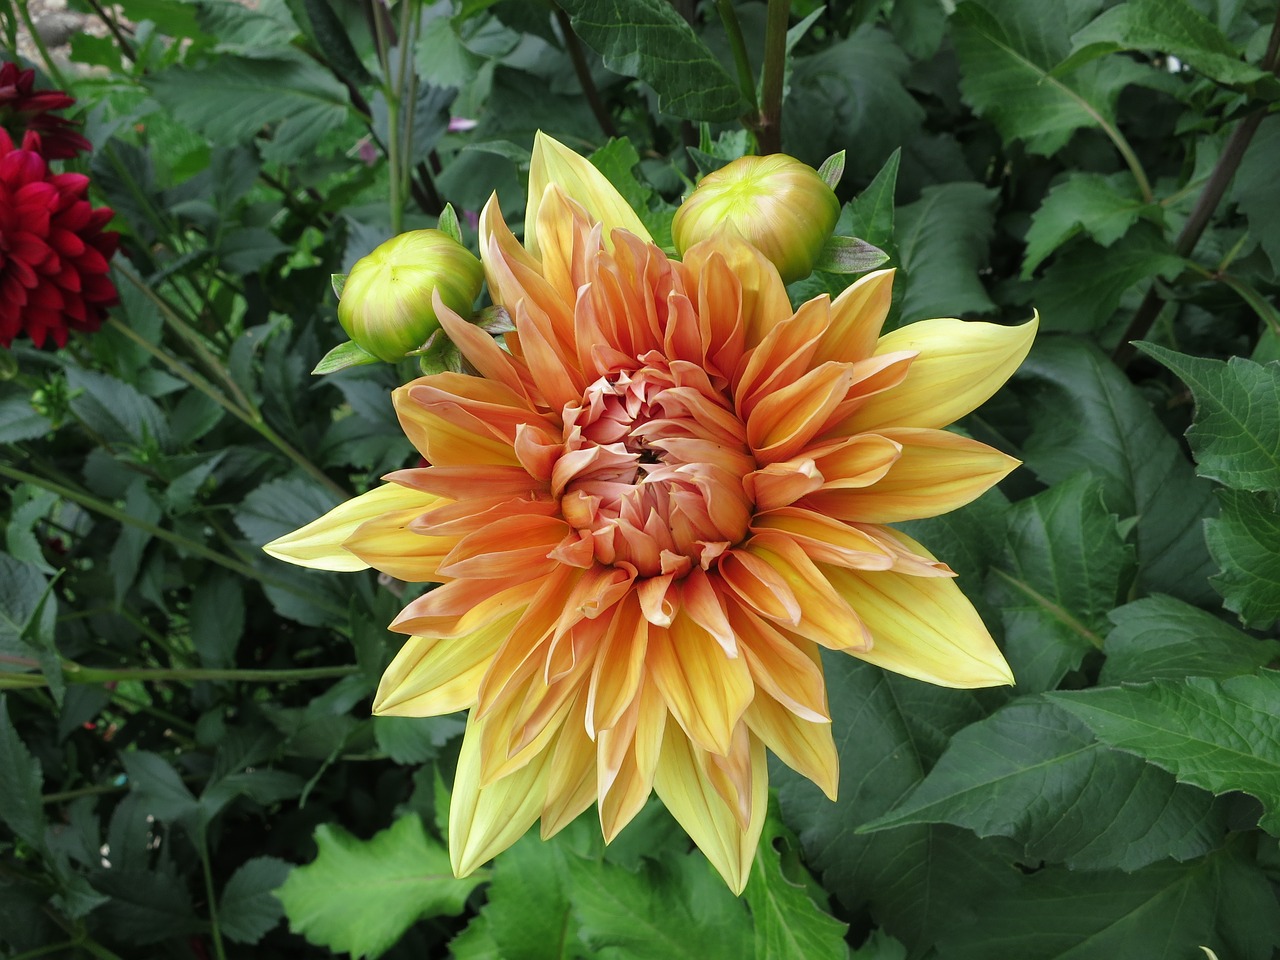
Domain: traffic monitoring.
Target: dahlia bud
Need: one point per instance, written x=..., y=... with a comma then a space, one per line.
x=776, y=203
x=386, y=300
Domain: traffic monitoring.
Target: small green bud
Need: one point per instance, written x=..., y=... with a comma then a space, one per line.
x=779, y=205
x=386, y=300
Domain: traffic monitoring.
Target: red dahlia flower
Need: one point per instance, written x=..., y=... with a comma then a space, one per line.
x=53, y=253
x=23, y=108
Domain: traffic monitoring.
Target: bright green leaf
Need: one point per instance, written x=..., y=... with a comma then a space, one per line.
x=360, y=896
x=1160, y=637
x=1035, y=773
x=1236, y=433
x=248, y=908
x=1104, y=207
x=870, y=214
x=648, y=39
x=344, y=355
x=1219, y=735
x=1245, y=543
x=1064, y=567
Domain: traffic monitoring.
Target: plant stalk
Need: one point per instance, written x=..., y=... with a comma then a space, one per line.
x=769, y=125
x=733, y=30
x=582, y=69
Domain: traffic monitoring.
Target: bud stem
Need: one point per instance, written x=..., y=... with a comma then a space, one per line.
x=769, y=130
x=733, y=29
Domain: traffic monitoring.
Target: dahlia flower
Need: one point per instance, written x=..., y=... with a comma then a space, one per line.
x=650, y=511
x=23, y=109
x=53, y=252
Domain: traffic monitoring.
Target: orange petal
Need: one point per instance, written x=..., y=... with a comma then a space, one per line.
x=784, y=422
x=705, y=690
x=826, y=617
x=783, y=355
x=626, y=758
x=554, y=163
x=787, y=668
x=618, y=667
x=960, y=365
x=823, y=539
x=471, y=481
x=803, y=745
x=764, y=297
x=446, y=444
x=758, y=585
x=320, y=543
x=780, y=484
x=505, y=548
x=453, y=609
x=856, y=318
x=684, y=786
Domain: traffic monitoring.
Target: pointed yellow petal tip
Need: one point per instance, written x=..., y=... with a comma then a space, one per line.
x=554, y=163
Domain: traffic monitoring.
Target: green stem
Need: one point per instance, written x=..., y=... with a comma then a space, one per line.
x=52, y=68
x=44, y=951
x=191, y=546
x=97, y=790
x=391, y=95
x=211, y=894
x=733, y=30
x=77, y=673
x=769, y=127
x=582, y=70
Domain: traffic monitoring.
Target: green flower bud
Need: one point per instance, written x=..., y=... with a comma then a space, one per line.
x=776, y=203
x=386, y=303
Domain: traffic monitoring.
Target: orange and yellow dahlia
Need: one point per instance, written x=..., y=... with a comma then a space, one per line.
x=649, y=512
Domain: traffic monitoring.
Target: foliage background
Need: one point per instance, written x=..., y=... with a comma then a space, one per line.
x=186, y=754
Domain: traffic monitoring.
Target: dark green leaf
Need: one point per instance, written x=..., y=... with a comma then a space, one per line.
x=234, y=98
x=248, y=908
x=872, y=211
x=161, y=789
x=20, y=783
x=942, y=241
x=217, y=619
x=1008, y=51
x=24, y=618
x=1033, y=772
x=788, y=923
x=1082, y=288
x=1236, y=434
x=1065, y=566
x=360, y=896
x=415, y=739
x=1165, y=912
x=115, y=410
x=1160, y=637
x=1086, y=415
x=648, y=39
x=1104, y=207
x=146, y=907
x=1256, y=188
x=1219, y=735
x=19, y=421
x=677, y=910
x=333, y=39
x=248, y=249
x=1170, y=27
x=1245, y=543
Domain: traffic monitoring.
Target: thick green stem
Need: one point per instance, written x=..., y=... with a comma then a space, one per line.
x=76, y=673
x=50, y=66
x=211, y=894
x=733, y=30
x=191, y=546
x=583, y=71
x=769, y=127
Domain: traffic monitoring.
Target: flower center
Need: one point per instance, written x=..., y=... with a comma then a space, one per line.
x=652, y=468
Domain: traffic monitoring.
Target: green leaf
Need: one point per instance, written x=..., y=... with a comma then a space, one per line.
x=146, y=906
x=1245, y=543
x=648, y=39
x=1217, y=734
x=217, y=619
x=360, y=896
x=1086, y=415
x=1035, y=773
x=446, y=223
x=1160, y=637
x=26, y=616
x=414, y=739
x=677, y=910
x=942, y=242
x=1170, y=27
x=234, y=98
x=161, y=790
x=248, y=908
x=788, y=923
x=1083, y=287
x=871, y=212
x=849, y=255
x=20, y=784
x=1008, y=51
x=344, y=355
x=832, y=169
x=1164, y=912
x=116, y=411
x=1236, y=433
x=918, y=881
x=1065, y=566
x=1256, y=189
x=1104, y=207
x=20, y=421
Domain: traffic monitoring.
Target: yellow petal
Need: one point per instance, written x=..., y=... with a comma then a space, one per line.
x=554, y=163
x=485, y=821
x=319, y=543
x=856, y=318
x=627, y=757
x=922, y=627
x=960, y=365
x=683, y=784
x=937, y=472
x=803, y=745
x=571, y=787
x=430, y=677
